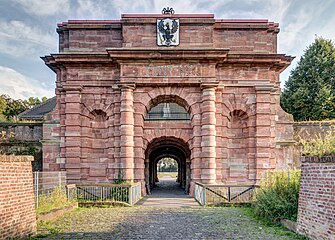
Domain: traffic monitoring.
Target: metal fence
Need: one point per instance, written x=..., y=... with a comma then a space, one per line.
x=221, y=194
x=127, y=193
x=46, y=182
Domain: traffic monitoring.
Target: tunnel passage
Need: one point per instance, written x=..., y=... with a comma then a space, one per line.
x=170, y=147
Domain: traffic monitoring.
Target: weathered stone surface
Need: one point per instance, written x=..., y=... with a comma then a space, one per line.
x=224, y=74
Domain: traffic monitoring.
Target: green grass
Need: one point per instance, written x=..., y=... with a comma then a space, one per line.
x=277, y=197
x=170, y=174
x=56, y=200
x=276, y=227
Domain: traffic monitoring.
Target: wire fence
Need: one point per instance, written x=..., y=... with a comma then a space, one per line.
x=46, y=182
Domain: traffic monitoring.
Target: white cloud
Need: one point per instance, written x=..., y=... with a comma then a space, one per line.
x=18, y=86
x=20, y=39
x=45, y=7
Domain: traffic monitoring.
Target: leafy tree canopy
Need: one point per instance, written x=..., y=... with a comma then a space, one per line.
x=309, y=93
x=10, y=108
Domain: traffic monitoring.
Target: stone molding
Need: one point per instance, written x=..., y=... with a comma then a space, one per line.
x=12, y=158
x=315, y=159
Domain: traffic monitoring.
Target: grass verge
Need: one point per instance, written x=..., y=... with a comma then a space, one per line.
x=277, y=228
x=56, y=200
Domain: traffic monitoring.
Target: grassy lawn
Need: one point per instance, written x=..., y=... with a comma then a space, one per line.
x=267, y=224
x=169, y=174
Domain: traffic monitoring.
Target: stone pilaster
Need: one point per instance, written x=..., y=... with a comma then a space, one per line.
x=196, y=148
x=72, y=135
x=208, y=133
x=263, y=137
x=127, y=131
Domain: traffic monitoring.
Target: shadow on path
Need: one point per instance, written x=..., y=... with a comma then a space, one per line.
x=167, y=193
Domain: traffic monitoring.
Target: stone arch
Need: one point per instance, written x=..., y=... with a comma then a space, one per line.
x=242, y=102
x=173, y=147
x=98, y=115
x=186, y=98
x=166, y=133
x=238, y=117
x=177, y=108
x=169, y=99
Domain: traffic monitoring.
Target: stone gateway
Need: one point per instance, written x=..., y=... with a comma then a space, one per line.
x=124, y=102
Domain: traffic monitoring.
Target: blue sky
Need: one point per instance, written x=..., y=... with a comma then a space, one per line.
x=28, y=30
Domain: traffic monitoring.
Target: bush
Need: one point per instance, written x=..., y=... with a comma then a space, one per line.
x=277, y=197
x=320, y=146
x=56, y=200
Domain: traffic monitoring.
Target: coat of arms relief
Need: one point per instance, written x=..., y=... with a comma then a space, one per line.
x=168, y=30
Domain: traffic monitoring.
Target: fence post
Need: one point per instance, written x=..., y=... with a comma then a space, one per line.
x=204, y=195
x=37, y=183
x=229, y=194
x=130, y=195
x=102, y=193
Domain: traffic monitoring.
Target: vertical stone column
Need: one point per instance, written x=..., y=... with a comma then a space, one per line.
x=127, y=131
x=208, y=133
x=72, y=124
x=264, y=139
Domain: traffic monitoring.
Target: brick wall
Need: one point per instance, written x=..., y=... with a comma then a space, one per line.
x=316, y=213
x=17, y=210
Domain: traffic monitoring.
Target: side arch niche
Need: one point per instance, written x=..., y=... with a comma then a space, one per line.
x=238, y=146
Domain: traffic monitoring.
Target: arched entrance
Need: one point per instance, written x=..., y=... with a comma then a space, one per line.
x=167, y=147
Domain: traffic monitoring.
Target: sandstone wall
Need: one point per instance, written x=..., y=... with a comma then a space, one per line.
x=17, y=207
x=225, y=73
x=21, y=131
x=22, y=139
x=316, y=212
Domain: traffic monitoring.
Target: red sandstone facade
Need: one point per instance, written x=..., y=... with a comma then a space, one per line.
x=224, y=73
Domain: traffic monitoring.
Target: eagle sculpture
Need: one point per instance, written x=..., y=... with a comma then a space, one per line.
x=168, y=31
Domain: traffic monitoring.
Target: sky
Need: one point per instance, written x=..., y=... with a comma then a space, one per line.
x=28, y=30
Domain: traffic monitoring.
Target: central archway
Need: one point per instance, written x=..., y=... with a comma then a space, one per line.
x=167, y=147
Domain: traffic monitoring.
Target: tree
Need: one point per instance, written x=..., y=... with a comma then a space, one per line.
x=3, y=105
x=10, y=108
x=14, y=107
x=309, y=93
x=32, y=101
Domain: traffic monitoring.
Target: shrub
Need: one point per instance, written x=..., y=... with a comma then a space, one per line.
x=320, y=145
x=56, y=200
x=278, y=195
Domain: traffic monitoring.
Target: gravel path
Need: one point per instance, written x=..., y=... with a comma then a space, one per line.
x=161, y=223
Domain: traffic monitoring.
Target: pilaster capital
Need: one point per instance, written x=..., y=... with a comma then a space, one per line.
x=127, y=86
x=209, y=85
x=265, y=87
x=72, y=88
